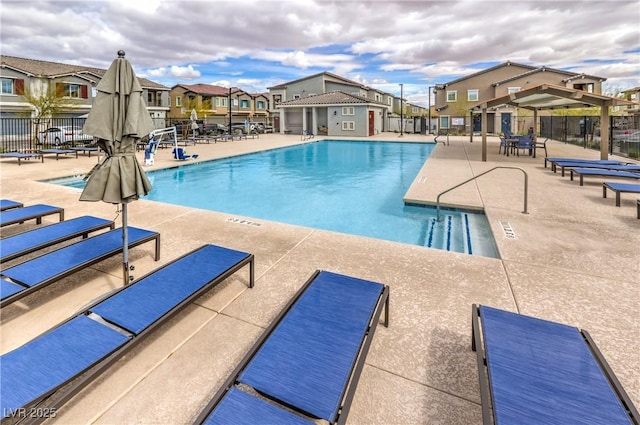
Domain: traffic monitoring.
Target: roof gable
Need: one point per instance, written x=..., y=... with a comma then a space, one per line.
x=325, y=75
x=332, y=98
x=488, y=70
x=570, y=75
x=205, y=89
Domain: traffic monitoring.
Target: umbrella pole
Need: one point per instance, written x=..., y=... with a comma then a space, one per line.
x=125, y=245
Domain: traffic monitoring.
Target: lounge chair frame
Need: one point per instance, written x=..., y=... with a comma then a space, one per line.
x=153, y=236
x=8, y=204
x=354, y=376
x=95, y=370
x=581, y=172
x=21, y=155
x=477, y=345
x=553, y=159
x=595, y=166
x=36, y=216
x=617, y=190
x=57, y=152
x=84, y=150
x=81, y=232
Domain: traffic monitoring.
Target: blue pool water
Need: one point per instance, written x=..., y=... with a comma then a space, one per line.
x=342, y=186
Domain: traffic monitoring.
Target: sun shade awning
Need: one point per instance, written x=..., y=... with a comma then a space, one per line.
x=549, y=97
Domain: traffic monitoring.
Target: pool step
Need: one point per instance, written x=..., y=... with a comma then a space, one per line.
x=452, y=233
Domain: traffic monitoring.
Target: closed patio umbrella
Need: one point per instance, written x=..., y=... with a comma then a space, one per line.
x=194, y=122
x=118, y=118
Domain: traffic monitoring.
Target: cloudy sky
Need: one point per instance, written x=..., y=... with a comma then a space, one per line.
x=258, y=44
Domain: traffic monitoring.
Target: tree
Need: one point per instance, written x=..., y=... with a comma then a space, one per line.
x=47, y=100
x=201, y=108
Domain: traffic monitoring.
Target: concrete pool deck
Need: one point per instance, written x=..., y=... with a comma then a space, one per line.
x=575, y=259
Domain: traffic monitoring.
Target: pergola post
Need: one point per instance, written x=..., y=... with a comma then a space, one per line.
x=483, y=123
x=604, y=132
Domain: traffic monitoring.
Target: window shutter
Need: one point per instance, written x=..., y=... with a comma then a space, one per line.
x=19, y=86
x=59, y=89
x=84, y=91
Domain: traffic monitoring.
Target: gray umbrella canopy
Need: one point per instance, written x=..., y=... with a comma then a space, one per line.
x=118, y=118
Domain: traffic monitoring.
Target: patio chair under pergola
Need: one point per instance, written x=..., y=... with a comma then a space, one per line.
x=548, y=97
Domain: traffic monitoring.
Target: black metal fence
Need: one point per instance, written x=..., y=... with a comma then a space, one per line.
x=23, y=134
x=624, y=132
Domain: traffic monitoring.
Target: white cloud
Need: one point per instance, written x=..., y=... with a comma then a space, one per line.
x=184, y=72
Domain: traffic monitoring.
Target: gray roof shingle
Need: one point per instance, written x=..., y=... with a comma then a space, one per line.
x=39, y=68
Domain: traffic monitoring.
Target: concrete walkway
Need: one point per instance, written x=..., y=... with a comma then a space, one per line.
x=574, y=258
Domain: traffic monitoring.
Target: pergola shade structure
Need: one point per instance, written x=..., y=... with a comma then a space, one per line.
x=549, y=97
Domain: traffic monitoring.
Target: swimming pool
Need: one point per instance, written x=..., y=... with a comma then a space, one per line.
x=351, y=187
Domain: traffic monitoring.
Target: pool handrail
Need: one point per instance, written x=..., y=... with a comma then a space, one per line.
x=526, y=187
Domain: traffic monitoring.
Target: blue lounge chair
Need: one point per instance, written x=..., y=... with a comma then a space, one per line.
x=618, y=188
x=32, y=212
x=20, y=156
x=603, y=173
x=38, y=272
x=8, y=204
x=616, y=167
x=57, y=152
x=178, y=153
x=42, y=237
x=84, y=149
x=84, y=346
x=553, y=159
x=542, y=372
x=308, y=361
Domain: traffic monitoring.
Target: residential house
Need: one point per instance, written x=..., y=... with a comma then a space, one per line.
x=329, y=103
x=633, y=95
x=76, y=83
x=335, y=113
x=219, y=105
x=454, y=99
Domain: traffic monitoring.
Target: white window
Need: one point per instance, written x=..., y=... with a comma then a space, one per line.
x=513, y=90
x=348, y=110
x=444, y=121
x=178, y=101
x=260, y=104
x=348, y=125
x=7, y=86
x=472, y=95
x=452, y=95
x=414, y=110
